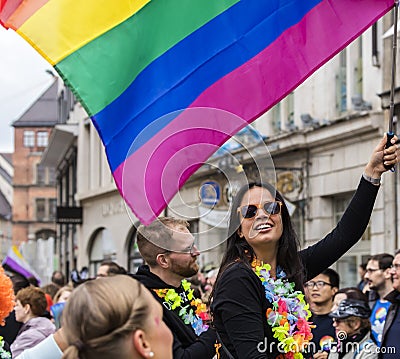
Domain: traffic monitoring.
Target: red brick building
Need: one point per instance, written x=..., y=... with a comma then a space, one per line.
x=34, y=200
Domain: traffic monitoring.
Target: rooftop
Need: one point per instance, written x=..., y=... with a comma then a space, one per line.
x=43, y=112
x=7, y=156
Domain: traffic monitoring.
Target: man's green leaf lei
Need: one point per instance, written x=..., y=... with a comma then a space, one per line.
x=186, y=313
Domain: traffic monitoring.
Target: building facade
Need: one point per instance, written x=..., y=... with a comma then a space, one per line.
x=61, y=154
x=34, y=187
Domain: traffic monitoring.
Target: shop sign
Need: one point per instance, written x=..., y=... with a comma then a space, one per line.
x=69, y=215
x=210, y=193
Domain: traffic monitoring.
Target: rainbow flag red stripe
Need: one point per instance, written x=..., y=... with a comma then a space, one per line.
x=142, y=68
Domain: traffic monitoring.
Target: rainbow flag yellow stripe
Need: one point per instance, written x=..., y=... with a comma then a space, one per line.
x=71, y=24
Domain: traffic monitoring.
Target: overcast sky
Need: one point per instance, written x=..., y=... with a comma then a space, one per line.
x=22, y=80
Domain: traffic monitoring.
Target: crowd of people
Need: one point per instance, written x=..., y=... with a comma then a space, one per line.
x=361, y=314
x=268, y=298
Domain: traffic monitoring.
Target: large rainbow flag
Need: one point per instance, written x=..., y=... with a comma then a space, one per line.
x=141, y=68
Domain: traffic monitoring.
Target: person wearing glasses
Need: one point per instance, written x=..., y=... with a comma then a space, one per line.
x=391, y=329
x=170, y=252
x=261, y=234
x=320, y=291
x=379, y=282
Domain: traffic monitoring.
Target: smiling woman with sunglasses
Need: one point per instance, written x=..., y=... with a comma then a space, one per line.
x=257, y=305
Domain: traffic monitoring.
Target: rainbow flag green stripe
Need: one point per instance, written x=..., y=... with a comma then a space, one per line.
x=134, y=44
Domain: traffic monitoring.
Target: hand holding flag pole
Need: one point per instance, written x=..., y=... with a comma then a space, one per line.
x=390, y=133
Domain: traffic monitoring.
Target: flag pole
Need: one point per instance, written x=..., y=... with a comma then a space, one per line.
x=390, y=132
x=392, y=87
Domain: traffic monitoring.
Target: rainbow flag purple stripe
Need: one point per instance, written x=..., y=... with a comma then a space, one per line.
x=149, y=72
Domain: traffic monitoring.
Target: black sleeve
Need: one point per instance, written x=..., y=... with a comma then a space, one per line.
x=202, y=348
x=347, y=232
x=238, y=313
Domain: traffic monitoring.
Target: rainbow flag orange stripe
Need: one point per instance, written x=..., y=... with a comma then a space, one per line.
x=142, y=60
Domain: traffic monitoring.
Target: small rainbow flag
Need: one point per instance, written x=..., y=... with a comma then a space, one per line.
x=149, y=73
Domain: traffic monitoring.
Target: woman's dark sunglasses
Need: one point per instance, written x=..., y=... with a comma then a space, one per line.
x=250, y=211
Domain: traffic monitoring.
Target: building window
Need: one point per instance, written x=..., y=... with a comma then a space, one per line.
x=375, y=52
x=298, y=220
x=341, y=83
x=103, y=248
x=45, y=175
x=42, y=139
x=40, y=209
x=52, y=209
x=29, y=138
x=290, y=110
x=45, y=234
x=276, y=118
x=340, y=203
x=52, y=176
x=358, y=70
x=194, y=229
x=46, y=209
x=40, y=174
x=135, y=260
x=347, y=269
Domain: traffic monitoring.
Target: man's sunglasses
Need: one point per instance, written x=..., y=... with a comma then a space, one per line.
x=250, y=211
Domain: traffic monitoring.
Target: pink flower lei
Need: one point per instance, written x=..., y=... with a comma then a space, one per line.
x=289, y=314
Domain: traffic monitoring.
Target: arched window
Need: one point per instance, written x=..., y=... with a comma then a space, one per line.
x=102, y=248
x=45, y=234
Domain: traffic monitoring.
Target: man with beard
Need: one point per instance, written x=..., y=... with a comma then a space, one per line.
x=379, y=281
x=169, y=250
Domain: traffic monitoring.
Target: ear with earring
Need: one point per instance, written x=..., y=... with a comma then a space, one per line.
x=141, y=344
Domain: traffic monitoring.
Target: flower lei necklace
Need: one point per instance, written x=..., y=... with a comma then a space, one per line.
x=289, y=314
x=4, y=354
x=189, y=316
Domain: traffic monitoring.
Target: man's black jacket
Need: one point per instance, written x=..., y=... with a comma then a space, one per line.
x=186, y=343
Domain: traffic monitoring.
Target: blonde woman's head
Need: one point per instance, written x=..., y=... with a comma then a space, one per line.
x=115, y=317
x=63, y=294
